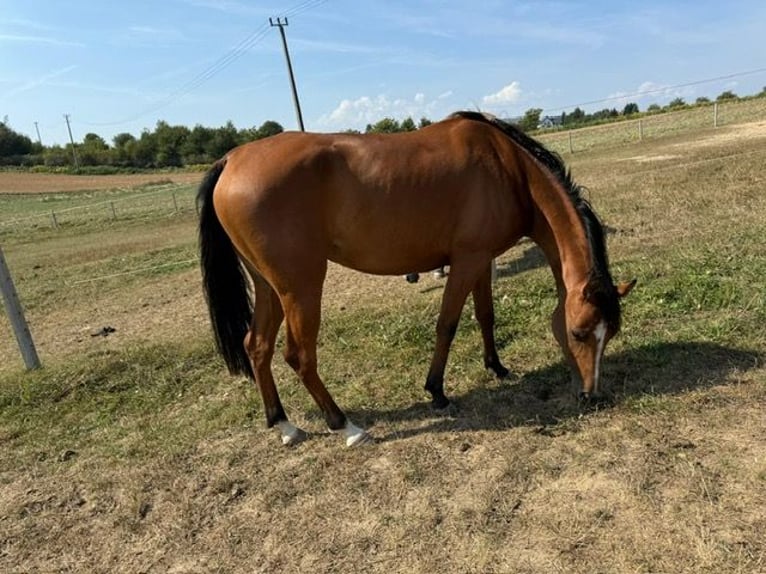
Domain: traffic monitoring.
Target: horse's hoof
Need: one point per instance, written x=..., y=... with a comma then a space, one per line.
x=499, y=371
x=439, y=403
x=291, y=434
x=356, y=440
x=354, y=435
x=448, y=412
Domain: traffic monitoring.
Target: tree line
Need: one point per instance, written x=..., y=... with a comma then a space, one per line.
x=170, y=146
x=165, y=146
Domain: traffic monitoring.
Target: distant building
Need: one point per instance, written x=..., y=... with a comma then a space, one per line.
x=547, y=122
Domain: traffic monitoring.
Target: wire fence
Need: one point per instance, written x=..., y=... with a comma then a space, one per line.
x=169, y=200
x=653, y=126
x=164, y=201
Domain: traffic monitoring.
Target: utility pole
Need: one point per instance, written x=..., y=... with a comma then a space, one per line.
x=71, y=140
x=281, y=23
x=39, y=139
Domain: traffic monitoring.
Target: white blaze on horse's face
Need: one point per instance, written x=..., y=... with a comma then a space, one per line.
x=600, y=334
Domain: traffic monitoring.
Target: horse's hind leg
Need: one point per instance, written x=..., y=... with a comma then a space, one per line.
x=302, y=312
x=259, y=343
x=485, y=315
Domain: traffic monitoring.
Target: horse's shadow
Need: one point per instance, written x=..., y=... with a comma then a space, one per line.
x=531, y=258
x=545, y=397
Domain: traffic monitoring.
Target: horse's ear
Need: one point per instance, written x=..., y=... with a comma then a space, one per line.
x=625, y=287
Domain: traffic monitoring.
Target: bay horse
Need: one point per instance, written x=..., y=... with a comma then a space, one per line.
x=459, y=192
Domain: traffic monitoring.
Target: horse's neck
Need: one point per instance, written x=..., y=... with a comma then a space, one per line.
x=560, y=233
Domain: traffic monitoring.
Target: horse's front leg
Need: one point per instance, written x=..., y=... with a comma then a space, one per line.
x=485, y=315
x=460, y=281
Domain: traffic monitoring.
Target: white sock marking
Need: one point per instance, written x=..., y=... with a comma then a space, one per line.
x=291, y=434
x=353, y=434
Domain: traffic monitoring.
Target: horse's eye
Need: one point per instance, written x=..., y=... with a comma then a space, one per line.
x=580, y=335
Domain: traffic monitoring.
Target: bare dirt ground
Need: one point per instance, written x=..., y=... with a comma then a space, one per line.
x=20, y=182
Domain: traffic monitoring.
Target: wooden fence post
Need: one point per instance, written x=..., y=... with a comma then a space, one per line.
x=16, y=316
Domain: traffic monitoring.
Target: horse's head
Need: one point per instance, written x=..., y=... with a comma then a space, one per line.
x=588, y=319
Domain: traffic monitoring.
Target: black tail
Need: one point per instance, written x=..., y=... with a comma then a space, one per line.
x=223, y=279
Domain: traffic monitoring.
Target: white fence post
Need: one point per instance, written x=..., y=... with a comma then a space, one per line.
x=16, y=316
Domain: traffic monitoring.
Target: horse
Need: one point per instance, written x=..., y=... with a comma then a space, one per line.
x=459, y=192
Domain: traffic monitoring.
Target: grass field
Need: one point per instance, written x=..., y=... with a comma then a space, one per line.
x=136, y=452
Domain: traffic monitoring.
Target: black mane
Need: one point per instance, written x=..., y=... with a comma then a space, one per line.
x=601, y=289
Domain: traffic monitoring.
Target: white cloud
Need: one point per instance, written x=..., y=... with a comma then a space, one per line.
x=365, y=110
x=37, y=82
x=21, y=39
x=509, y=94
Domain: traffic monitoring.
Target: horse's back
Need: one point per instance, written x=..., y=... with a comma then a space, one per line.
x=379, y=203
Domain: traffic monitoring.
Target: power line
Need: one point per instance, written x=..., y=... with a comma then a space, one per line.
x=213, y=69
x=659, y=90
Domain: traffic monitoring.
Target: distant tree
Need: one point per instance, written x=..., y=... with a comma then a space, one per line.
x=224, y=139
x=424, y=122
x=195, y=150
x=654, y=108
x=762, y=94
x=677, y=103
x=702, y=100
x=727, y=95
x=269, y=128
x=13, y=143
x=93, y=151
x=630, y=109
x=384, y=126
x=56, y=156
x=121, y=148
x=95, y=141
x=531, y=119
x=123, y=139
x=577, y=116
x=144, y=150
x=408, y=125
x=170, y=142
x=605, y=114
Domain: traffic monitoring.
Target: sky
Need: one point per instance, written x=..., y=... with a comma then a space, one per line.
x=117, y=67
